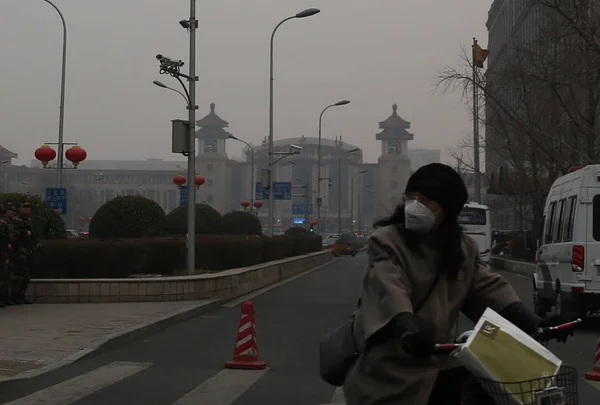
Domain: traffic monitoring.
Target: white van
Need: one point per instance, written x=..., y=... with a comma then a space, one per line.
x=475, y=221
x=567, y=273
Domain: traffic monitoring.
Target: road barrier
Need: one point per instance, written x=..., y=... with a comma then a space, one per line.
x=224, y=285
x=512, y=266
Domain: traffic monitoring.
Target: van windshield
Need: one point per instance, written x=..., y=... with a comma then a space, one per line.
x=472, y=216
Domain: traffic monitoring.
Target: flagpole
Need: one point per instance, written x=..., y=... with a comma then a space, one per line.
x=476, y=126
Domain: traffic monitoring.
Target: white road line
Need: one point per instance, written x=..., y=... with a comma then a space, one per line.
x=223, y=388
x=338, y=397
x=256, y=293
x=81, y=386
x=594, y=384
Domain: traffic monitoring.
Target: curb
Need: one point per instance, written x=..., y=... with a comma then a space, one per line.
x=119, y=338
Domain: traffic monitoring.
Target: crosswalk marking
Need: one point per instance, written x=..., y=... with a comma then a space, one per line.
x=81, y=386
x=594, y=384
x=223, y=388
x=338, y=397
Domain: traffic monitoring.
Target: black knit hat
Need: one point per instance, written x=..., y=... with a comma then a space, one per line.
x=441, y=183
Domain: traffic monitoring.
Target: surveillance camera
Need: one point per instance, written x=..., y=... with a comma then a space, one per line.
x=292, y=146
x=169, y=62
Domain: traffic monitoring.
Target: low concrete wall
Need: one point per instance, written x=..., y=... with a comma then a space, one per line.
x=512, y=266
x=224, y=285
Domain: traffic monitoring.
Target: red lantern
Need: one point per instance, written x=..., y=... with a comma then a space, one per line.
x=89, y=219
x=81, y=219
x=45, y=154
x=257, y=204
x=76, y=154
x=198, y=181
x=314, y=223
x=179, y=180
x=245, y=204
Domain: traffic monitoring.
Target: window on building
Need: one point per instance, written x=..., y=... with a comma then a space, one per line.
x=209, y=168
x=394, y=169
x=394, y=185
x=209, y=183
x=394, y=201
x=209, y=199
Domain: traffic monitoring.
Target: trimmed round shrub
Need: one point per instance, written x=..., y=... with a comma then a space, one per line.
x=132, y=216
x=296, y=230
x=241, y=223
x=47, y=223
x=208, y=220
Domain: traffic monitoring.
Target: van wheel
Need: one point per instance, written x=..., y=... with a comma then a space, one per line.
x=541, y=306
x=563, y=309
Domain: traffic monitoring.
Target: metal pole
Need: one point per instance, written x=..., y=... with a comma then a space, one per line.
x=319, y=167
x=340, y=195
x=191, y=212
x=306, y=205
x=352, y=204
x=252, y=179
x=476, y=129
x=61, y=116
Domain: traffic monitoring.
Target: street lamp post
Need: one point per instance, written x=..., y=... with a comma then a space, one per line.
x=303, y=14
x=171, y=67
x=61, y=116
x=352, y=199
x=319, y=201
x=251, y=149
x=340, y=187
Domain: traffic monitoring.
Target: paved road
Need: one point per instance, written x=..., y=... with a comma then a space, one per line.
x=184, y=364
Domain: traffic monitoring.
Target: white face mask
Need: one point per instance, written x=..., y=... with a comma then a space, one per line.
x=418, y=217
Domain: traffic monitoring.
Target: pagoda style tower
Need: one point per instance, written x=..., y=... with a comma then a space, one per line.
x=394, y=164
x=211, y=135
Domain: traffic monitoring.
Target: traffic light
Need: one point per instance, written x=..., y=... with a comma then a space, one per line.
x=311, y=228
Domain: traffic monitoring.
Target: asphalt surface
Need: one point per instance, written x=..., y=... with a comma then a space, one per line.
x=184, y=364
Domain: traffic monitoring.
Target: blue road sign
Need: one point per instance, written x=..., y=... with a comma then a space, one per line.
x=183, y=195
x=57, y=199
x=299, y=209
x=282, y=190
x=261, y=193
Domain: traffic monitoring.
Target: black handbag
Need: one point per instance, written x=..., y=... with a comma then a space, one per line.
x=338, y=350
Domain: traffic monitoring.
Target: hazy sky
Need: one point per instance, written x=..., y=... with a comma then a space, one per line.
x=374, y=53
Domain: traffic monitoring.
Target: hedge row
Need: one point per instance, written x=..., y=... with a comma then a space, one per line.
x=118, y=258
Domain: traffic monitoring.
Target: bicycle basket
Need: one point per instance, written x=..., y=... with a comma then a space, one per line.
x=530, y=392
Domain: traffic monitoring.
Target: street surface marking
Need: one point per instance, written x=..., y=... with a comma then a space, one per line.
x=594, y=384
x=338, y=396
x=245, y=298
x=81, y=386
x=223, y=388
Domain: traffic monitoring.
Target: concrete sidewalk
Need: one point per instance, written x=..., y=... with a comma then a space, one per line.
x=35, y=339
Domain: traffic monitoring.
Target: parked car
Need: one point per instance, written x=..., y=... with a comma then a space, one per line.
x=72, y=234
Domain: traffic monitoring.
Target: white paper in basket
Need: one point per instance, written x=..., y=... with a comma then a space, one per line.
x=472, y=363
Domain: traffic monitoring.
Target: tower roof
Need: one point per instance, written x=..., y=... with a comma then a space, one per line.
x=211, y=126
x=394, y=128
x=394, y=121
x=6, y=153
x=212, y=120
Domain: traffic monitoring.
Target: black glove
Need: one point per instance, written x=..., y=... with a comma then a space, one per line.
x=414, y=343
x=559, y=335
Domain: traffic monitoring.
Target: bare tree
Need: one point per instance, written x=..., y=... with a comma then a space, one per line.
x=541, y=102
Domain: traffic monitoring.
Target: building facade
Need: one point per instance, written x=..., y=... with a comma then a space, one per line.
x=351, y=190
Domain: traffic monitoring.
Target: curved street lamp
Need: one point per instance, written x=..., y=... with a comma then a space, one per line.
x=61, y=116
x=319, y=201
x=302, y=14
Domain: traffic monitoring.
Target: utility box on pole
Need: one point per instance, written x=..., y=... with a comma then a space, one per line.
x=181, y=136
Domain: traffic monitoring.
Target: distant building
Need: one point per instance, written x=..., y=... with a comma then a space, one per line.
x=6, y=156
x=358, y=193
x=421, y=157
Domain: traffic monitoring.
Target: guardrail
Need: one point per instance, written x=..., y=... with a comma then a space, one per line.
x=512, y=266
x=224, y=285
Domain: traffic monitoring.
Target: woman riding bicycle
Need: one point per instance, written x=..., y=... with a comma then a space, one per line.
x=423, y=270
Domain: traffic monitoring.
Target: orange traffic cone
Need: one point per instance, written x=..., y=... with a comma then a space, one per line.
x=245, y=354
x=594, y=375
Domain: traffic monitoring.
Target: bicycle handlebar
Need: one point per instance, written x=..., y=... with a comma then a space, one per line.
x=447, y=348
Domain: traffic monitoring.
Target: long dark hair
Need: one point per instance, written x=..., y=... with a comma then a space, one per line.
x=449, y=233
